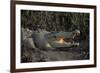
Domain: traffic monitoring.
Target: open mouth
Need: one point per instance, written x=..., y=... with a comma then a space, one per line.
x=64, y=39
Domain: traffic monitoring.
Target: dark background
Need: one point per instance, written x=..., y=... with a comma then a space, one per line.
x=56, y=21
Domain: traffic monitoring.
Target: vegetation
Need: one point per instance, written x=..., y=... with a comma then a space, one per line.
x=56, y=21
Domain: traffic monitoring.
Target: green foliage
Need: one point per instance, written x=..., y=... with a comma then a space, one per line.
x=55, y=21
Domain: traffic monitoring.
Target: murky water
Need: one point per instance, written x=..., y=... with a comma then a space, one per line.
x=58, y=54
